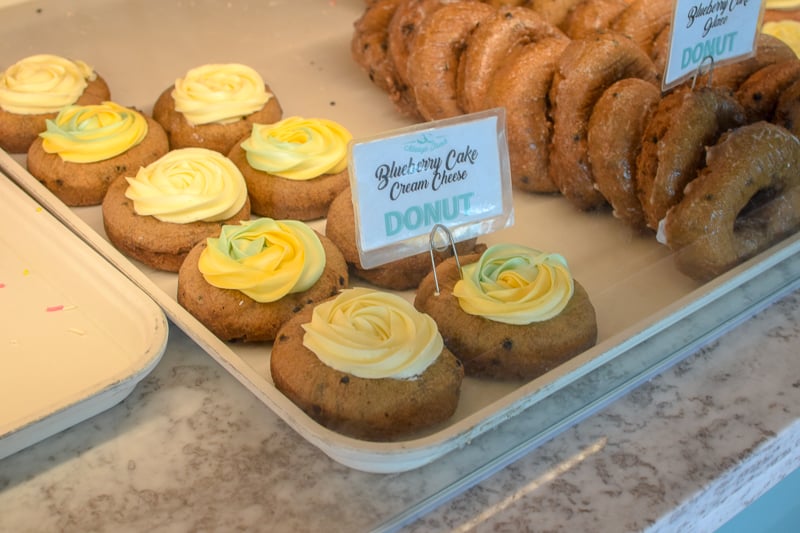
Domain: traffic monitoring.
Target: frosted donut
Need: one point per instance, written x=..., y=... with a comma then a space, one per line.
x=769, y=50
x=435, y=54
x=746, y=199
x=674, y=141
x=787, y=110
x=643, y=20
x=590, y=16
x=759, y=93
x=585, y=70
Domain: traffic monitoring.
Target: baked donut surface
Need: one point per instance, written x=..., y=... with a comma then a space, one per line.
x=233, y=316
x=160, y=245
x=214, y=136
x=382, y=409
x=585, y=70
x=506, y=351
x=614, y=140
x=685, y=122
x=85, y=184
x=745, y=199
x=521, y=85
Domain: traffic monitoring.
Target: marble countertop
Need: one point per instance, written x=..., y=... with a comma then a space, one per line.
x=192, y=450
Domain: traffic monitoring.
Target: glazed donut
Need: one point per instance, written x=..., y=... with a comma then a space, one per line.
x=435, y=53
x=368, y=46
x=520, y=85
x=787, y=110
x=586, y=69
x=643, y=20
x=402, y=30
x=759, y=93
x=492, y=41
x=590, y=16
x=674, y=142
x=746, y=199
x=769, y=50
x=615, y=134
x=554, y=11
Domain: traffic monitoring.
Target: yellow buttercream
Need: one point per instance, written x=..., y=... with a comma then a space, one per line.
x=85, y=134
x=265, y=259
x=219, y=93
x=782, y=4
x=787, y=31
x=298, y=149
x=43, y=83
x=188, y=185
x=373, y=334
x=515, y=285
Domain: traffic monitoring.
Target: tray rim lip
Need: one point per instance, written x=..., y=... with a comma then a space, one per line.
x=398, y=456
x=94, y=397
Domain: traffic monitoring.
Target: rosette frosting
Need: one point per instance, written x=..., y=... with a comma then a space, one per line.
x=188, y=185
x=89, y=133
x=219, y=93
x=297, y=148
x=43, y=83
x=373, y=334
x=265, y=259
x=515, y=285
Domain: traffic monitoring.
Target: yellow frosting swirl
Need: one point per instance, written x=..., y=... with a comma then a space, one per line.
x=265, y=259
x=219, y=93
x=515, y=285
x=85, y=134
x=373, y=334
x=298, y=149
x=188, y=185
x=43, y=83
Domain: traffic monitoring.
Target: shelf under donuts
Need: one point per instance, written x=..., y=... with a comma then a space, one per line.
x=649, y=314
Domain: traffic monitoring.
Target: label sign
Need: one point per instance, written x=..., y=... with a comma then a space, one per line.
x=452, y=172
x=723, y=30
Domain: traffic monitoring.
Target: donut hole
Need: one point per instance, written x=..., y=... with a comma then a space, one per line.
x=754, y=216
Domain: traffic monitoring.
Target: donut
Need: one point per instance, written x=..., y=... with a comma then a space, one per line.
x=616, y=126
x=590, y=16
x=520, y=85
x=500, y=350
x=435, y=54
x=382, y=408
x=643, y=20
x=768, y=50
x=554, y=11
x=402, y=30
x=368, y=46
x=585, y=70
x=232, y=315
x=744, y=200
x=492, y=41
x=674, y=141
x=787, y=109
x=760, y=92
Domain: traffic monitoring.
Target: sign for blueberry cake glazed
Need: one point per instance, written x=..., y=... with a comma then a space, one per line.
x=709, y=33
x=452, y=173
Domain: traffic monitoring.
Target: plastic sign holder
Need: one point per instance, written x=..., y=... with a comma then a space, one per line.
x=452, y=172
x=723, y=30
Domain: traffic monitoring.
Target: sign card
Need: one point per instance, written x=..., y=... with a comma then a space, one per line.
x=722, y=30
x=452, y=172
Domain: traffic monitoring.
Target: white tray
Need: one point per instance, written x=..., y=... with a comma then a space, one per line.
x=76, y=334
x=302, y=49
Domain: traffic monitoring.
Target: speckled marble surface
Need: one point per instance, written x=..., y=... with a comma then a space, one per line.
x=192, y=450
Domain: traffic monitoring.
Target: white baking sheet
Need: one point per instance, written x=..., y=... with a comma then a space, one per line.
x=302, y=49
x=76, y=334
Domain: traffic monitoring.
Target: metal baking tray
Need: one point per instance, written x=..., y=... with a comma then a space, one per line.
x=76, y=334
x=302, y=50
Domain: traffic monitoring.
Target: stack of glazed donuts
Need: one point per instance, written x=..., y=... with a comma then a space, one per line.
x=709, y=166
